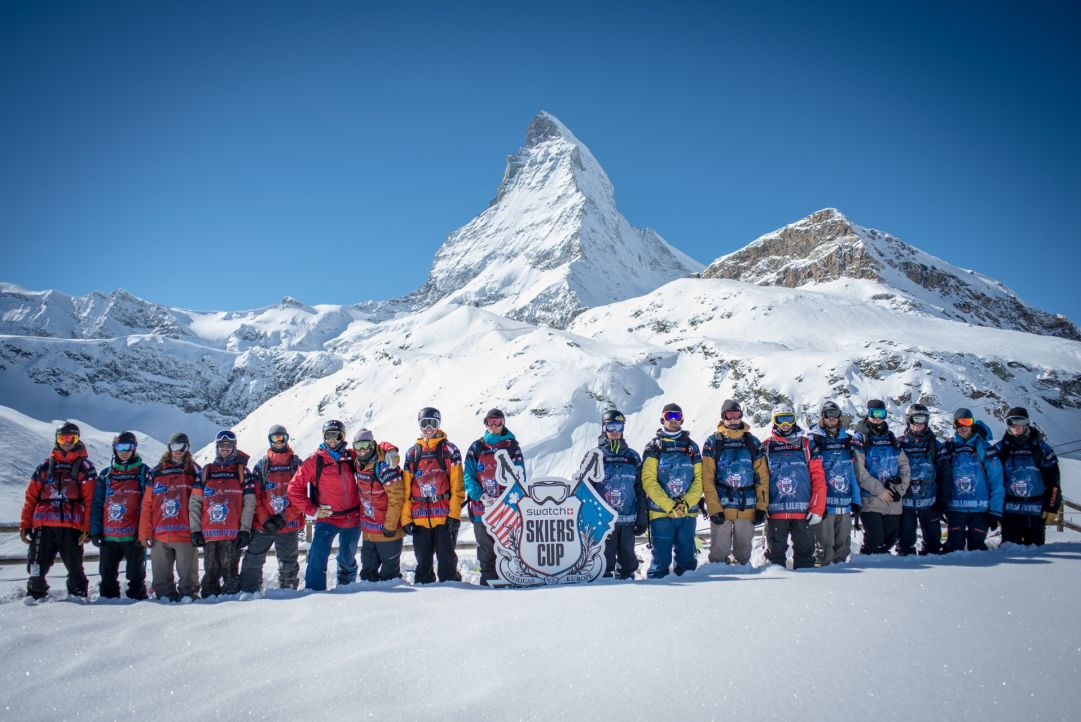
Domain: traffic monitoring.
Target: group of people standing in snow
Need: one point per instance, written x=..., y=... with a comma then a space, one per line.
x=808, y=487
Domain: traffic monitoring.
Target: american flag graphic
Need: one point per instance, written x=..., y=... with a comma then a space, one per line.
x=502, y=520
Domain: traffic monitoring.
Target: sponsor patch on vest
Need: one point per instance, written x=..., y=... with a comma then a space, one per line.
x=170, y=508
x=218, y=511
x=116, y=511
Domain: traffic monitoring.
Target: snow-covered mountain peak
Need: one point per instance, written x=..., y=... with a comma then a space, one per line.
x=552, y=243
x=827, y=247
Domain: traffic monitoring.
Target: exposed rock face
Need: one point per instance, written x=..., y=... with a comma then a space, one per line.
x=826, y=246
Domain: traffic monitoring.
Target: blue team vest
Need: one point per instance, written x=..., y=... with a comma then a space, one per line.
x=675, y=472
x=620, y=473
x=920, y=451
x=789, y=478
x=841, y=487
x=1023, y=481
x=970, y=489
x=735, y=473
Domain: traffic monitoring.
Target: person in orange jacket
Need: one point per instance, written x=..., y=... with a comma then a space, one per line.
x=434, y=484
x=163, y=525
x=56, y=513
x=379, y=482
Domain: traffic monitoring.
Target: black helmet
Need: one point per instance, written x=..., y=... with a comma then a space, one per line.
x=832, y=407
x=429, y=412
x=67, y=427
x=613, y=415
x=914, y=409
x=334, y=425
x=125, y=437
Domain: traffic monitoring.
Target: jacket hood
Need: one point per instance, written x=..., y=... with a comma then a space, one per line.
x=78, y=452
x=431, y=443
x=866, y=429
x=980, y=433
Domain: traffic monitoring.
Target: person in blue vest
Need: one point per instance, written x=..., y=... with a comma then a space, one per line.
x=114, y=519
x=735, y=483
x=797, y=490
x=924, y=459
x=672, y=481
x=970, y=490
x=481, y=484
x=1031, y=480
x=884, y=478
x=833, y=444
x=622, y=489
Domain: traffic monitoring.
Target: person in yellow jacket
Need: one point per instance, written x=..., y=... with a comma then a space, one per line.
x=672, y=479
x=432, y=475
x=735, y=482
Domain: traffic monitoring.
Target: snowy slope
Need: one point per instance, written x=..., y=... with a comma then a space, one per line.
x=826, y=247
x=552, y=242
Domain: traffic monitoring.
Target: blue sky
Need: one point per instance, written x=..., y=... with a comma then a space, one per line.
x=222, y=155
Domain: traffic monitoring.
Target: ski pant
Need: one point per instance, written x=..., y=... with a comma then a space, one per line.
x=672, y=538
x=803, y=544
x=285, y=548
x=163, y=555
x=733, y=536
x=381, y=560
x=323, y=533
x=619, y=557
x=930, y=526
x=965, y=530
x=437, y=543
x=45, y=543
x=134, y=554
x=880, y=532
x=1023, y=529
x=833, y=538
x=485, y=553
x=221, y=575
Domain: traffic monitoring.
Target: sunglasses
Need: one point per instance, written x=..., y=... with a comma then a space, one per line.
x=123, y=447
x=877, y=413
x=732, y=415
x=918, y=419
x=968, y=421
x=429, y=423
x=67, y=439
x=673, y=416
x=279, y=438
x=613, y=426
x=1017, y=421
x=784, y=419
x=831, y=414
x=178, y=447
x=363, y=445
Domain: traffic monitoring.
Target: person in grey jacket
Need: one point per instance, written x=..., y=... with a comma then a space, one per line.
x=884, y=477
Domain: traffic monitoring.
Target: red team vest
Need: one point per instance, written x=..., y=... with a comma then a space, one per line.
x=123, y=502
x=429, y=492
x=170, y=493
x=373, y=500
x=223, y=497
x=277, y=470
x=60, y=502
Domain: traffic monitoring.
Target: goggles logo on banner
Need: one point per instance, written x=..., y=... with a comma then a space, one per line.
x=551, y=530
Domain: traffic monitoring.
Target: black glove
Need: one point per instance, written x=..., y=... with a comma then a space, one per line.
x=856, y=509
x=408, y=528
x=940, y=507
x=759, y=516
x=243, y=538
x=717, y=518
x=992, y=522
x=274, y=524
x=894, y=487
x=97, y=540
x=197, y=539
x=452, y=527
x=389, y=532
x=640, y=527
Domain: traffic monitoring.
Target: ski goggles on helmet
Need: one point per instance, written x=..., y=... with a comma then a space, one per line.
x=672, y=416
x=332, y=435
x=429, y=423
x=966, y=421
x=784, y=420
x=178, y=447
x=364, y=445
x=877, y=413
x=831, y=414
x=1017, y=421
x=121, y=447
x=494, y=421
x=918, y=419
x=732, y=415
x=613, y=426
x=279, y=438
x=67, y=438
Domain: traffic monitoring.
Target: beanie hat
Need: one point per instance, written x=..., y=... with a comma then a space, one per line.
x=962, y=413
x=876, y=404
x=671, y=407
x=1017, y=411
x=730, y=405
x=363, y=435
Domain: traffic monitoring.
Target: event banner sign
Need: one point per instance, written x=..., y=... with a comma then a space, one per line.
x=550, y=530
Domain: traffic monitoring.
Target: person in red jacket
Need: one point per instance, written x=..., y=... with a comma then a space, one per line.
x=379, y=481
x=56, y=514
x=277, y=521
x=325, y=488
x=797, y=490
x=163, y=526
x=220, y=512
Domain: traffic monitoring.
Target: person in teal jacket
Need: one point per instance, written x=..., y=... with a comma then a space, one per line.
x=971, y=490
